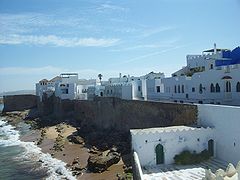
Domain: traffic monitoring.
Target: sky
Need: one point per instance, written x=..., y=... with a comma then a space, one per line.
x=43, y=38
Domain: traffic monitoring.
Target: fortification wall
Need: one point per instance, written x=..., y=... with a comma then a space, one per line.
x=114, y=113
x=19, y=102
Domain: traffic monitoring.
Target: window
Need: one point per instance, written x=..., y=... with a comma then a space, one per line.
x=111, y=91
x=200, y=89
x=212, y=88
x=211, y=66
x=175, y=89
x=139, y=88
x=107, y=91
x=158, y=89
x=179, y=90
x=193, y=89
x=182, y=88
x=67, y=85
x=64, y=91
x=238, y=87
x=217, y=88
x=228, y=86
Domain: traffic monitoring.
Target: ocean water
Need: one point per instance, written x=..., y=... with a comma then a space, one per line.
x=24, y=160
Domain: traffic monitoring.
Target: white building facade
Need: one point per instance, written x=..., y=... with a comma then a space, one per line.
x=208, y=78
x=65, y=86
x=131, y=88
x=160, y=145
x=226, y=122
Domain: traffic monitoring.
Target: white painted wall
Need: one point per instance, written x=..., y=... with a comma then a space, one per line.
x=174, y=142
x=151, y=86
x=226, y=122
x=205, y=78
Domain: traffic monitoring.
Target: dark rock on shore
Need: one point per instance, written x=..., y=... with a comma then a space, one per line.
x=76, y=139
x=100, y=163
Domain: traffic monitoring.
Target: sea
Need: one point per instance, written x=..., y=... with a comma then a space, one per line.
x=21, y=160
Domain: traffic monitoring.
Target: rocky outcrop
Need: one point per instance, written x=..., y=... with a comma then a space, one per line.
x=101, y=162
x=19, y=102
x=76, y=139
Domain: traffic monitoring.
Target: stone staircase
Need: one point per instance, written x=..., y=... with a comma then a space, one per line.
x=179, y=172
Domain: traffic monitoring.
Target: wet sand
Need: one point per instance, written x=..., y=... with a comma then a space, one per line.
x=71, y=151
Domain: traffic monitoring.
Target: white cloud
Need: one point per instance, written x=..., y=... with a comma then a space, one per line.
x=56, y=41
x=150, y=55
x=111, y=7
x=31, y=70
x=153, y=31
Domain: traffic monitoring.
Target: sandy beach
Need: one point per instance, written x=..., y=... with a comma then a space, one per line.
x=70, y=151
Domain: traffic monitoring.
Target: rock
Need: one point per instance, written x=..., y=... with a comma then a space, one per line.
x=101, y=163
x=75, y=161
x=76, y=139
x=76, y=165
x=113, y=149
x=59, y=171
x=128, y=169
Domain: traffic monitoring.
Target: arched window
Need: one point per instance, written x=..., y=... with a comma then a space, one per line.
x=182, y=88
x=175, y=89
x=228, y=86
x=179, y=89
x=212, y=88
x=200, y=89
x=238, y=87
x=217, y=88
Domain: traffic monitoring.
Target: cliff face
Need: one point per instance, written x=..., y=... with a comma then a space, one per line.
x=19, y=102
x=114, y=113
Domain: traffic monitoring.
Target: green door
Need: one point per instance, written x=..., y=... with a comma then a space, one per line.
x=211, y=147
x=159, y=154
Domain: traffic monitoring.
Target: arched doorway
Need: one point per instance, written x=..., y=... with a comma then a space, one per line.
x=101, y=94
x=211, y=147
x=159, y=154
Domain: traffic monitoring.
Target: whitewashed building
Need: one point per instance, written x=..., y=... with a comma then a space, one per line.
x=47, y=87
x=125, y=87
x=155, y=148
x=160, y=145
x=96, y=91
x=65, y=86
x=213, y=77
x=130, y=87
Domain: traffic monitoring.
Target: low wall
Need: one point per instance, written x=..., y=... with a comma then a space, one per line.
x=19, y=102
x=226, y=122
x=137, y=169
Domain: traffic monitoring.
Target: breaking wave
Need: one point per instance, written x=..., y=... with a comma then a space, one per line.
x=55, y=168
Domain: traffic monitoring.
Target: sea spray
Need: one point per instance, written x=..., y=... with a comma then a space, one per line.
x=55, y=168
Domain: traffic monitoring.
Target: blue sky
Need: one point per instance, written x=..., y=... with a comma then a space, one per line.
x=42, y=38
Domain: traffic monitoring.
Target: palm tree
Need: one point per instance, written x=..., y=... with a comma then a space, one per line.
x=100, y=77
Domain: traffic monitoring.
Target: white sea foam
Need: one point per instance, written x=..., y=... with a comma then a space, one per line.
x=56, y=168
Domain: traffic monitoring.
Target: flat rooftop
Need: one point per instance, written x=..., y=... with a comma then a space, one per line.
x=178, y=172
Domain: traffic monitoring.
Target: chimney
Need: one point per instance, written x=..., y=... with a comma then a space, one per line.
x=215, y=48
x=120, y=75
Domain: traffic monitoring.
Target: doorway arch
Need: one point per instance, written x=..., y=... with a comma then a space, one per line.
x=159, y=154
x=211, y=147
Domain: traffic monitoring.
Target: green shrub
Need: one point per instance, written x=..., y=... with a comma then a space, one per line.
x=186, y=157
